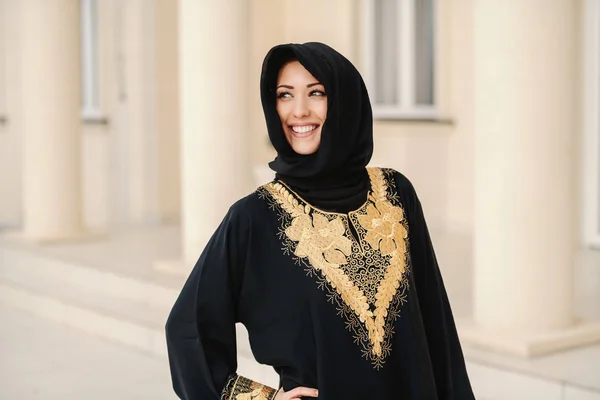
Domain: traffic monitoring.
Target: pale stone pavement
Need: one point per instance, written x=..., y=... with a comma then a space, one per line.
x=42, y=359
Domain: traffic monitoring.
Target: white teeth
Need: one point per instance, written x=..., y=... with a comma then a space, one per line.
x=303, y=129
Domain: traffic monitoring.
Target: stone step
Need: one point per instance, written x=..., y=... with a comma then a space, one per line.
x=93, y=301
x=101, y=303
x=83, y=314
x=21, y=265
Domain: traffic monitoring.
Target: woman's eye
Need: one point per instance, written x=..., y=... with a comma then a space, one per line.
x=317, y=93
x=284, y=95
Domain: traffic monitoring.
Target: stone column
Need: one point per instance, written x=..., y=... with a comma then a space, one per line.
x=11, y=204
x=3, y=61
x=50, y=119
x=526, y=130
x=6, y=194
x=167, y=110
x=215, y=128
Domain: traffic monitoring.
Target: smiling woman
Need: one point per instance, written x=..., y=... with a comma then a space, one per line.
x=329, y=267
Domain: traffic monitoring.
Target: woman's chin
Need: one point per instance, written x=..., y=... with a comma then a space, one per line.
x=305, y=147
x=304, y=152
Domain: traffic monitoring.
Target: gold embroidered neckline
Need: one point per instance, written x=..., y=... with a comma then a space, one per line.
x=369, y=286
x=306, y=203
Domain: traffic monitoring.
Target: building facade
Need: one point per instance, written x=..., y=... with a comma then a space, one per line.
x=142, y=112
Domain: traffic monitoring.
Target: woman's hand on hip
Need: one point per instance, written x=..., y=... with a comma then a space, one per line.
x=296, y=393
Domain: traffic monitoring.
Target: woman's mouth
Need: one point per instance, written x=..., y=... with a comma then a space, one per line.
x=302, y=131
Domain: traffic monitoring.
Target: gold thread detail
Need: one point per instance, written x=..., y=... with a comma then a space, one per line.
x=368, y=282
x=234, y=386
x=258, y=392
x=247, y=389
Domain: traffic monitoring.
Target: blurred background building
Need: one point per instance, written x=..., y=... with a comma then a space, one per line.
x=128, y=127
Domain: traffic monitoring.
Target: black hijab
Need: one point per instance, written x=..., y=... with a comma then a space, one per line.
x=334, y=178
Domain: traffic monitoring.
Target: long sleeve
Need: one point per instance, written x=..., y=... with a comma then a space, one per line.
x=200, y=330
x=452, y=381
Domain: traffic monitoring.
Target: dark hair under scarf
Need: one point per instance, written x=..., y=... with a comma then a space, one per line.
x=334, y=178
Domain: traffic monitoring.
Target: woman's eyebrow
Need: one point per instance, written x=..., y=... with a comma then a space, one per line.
x=291, y=87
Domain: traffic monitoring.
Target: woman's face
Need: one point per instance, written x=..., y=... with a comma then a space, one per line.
x=302, y=107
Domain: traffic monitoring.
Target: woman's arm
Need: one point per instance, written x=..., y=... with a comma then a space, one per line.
x=200, y=330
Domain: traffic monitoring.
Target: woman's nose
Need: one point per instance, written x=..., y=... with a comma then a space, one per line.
x=301, y=108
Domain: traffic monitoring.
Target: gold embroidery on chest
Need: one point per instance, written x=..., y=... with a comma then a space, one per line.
x=368, y=275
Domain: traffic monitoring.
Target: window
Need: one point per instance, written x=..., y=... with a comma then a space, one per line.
x=89, y=60
x=591, y=166
x=400, y=59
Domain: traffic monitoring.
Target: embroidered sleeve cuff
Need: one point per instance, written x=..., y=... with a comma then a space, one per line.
x=240, y=388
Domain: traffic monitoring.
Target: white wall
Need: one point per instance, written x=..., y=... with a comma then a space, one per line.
x=419, y=151
x=121, y=158
x=95, y=164
x=131, y=164
x=457, y=52
x=266, y=30
x=98, y=161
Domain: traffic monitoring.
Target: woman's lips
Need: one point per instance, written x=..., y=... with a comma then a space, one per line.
x=302, y=131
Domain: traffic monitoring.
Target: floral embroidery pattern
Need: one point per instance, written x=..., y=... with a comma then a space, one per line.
x=319, y=237
x=369, y=276
x=259, y=392
x=241, y=388
x=383, y=223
